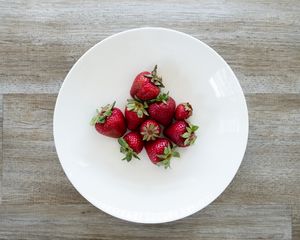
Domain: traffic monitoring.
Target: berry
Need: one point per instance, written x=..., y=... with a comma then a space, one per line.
x=162, y=109
x=110, y=121
x=160, y=151
x=135, y=113
x=183, y=111
x=146, y=85
x=131, y=145
x=181, y=133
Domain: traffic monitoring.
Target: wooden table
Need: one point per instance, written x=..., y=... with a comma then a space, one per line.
x=41, y=40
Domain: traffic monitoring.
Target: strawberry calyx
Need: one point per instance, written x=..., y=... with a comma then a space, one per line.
x=187, y=107
x=169, y=152
x=155, y=79
x=138, y=107
x=101, y=116
x=150, y=132
x=128, y=151
x=189, y=135
x=162, y=97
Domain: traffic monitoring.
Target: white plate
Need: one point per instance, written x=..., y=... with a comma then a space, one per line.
x=139, y=191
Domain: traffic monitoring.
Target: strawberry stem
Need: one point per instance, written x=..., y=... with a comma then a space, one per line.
x=155, y=79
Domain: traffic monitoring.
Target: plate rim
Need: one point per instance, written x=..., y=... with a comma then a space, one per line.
x=178, y=215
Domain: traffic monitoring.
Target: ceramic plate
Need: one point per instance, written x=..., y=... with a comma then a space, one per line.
x=139, y=191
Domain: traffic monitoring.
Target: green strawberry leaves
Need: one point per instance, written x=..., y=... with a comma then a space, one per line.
x=187, y=107
x=162, y=97
x=150, y=132
x=138, y=107
x=189, y=135
x=166, y=156
x=129, y=153
x=101, y=116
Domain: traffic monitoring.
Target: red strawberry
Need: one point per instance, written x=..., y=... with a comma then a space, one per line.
x=110, y=121
x=183, y=111
x=160, y=151
x=181, y=133
x=163, y=109
x=131, y=145
x=150, y=130
x=135, y=113
x=146, y=85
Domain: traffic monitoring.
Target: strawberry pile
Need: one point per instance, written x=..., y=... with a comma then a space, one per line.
x=153, y=119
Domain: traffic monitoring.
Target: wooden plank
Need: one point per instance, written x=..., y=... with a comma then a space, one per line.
x=270, y=170
x=41, y=40
x=86, y=222
x=296, y=221
x=1, y=140
x=31, y=170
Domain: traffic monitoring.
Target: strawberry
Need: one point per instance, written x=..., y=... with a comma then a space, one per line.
x=110, y=121
x=183, y=111
x=146, y=85
x=131, y=145
x=150, y=130
x=135, y=113
x=181, y=133
x=162, y=109
x=160, y=151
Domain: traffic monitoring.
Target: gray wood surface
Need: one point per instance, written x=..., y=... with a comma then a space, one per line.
x=296, y=221
x=1, y=152
x=82, y=221
x=31, y=170
x=271, y=166
x=41, y=40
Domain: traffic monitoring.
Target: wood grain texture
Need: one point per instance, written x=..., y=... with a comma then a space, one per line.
x=1, y=152
x=41, y=40
x=31, y=170
x=296, y=221
x=84, y=222
x=270, y=169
